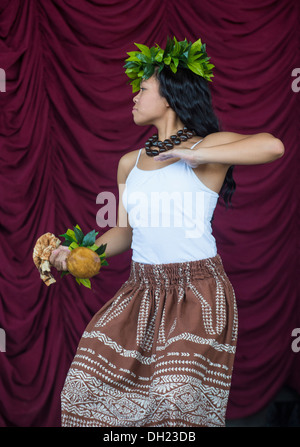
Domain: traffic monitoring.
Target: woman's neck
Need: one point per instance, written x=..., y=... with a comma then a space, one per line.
x=168, y=128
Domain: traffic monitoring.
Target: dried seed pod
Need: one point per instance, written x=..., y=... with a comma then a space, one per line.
x=83, y=263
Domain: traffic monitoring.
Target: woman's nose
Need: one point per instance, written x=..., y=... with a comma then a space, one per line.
x=135, y=99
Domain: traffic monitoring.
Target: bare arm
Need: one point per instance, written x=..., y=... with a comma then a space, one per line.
x=118, y=239
x=229, y=148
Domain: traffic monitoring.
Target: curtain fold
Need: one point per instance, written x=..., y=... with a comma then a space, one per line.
x=65, y=121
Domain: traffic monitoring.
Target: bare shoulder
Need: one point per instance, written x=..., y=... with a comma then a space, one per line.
x=126, y=163
x=213, y=174
x=217, y=138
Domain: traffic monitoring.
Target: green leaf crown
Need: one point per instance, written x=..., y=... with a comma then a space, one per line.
x=141, y=64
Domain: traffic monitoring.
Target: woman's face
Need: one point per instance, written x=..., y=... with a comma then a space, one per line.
x=149, y=107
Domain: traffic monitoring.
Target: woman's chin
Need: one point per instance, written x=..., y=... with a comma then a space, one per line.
x=139, y=122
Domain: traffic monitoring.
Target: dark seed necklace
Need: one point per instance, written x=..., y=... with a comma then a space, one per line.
x=163, y=146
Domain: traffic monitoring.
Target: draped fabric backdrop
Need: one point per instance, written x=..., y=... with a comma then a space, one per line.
x=65, y=122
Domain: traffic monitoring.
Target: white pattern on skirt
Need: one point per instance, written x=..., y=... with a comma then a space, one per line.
x=160, y=353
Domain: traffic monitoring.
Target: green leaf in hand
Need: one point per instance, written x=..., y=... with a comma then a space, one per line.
x=76, y=238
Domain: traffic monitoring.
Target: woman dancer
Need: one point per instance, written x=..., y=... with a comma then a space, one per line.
x=161, y=351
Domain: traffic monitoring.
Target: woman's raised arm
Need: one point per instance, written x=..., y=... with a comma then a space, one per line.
x=230, y=148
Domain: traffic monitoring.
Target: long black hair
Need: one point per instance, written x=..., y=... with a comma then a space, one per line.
x=189, y=96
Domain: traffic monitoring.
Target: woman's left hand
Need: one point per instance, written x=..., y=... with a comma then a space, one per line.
x=190, y=156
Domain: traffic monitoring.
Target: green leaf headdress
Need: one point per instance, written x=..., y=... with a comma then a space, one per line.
x=141, y=64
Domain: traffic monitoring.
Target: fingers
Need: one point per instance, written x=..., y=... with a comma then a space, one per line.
x=65, y=254
x=53, y=256
x=183, y=153
x=64, y=265
x=189, y=156
x=166, y=155
x=58, y=258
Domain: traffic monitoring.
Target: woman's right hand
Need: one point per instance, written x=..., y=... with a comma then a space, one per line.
x=58, y=258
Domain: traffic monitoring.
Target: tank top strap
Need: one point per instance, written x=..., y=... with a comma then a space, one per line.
x=137, y=159
x=196, y=143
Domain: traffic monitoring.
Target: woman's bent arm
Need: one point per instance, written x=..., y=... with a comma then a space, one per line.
x=229, y=148
x=250, y=150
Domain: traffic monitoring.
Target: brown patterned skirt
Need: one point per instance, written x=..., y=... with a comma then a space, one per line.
x=159, y=353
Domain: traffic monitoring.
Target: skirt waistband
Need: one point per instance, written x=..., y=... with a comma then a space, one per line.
x=175, y=273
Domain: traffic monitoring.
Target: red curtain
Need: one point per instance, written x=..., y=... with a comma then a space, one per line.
x=65, y=121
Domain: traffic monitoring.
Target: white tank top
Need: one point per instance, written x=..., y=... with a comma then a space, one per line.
x=170, y=212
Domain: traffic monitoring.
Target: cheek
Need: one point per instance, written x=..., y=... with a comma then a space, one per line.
x=160, y=108
x=157, y=103
x=150, y=108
